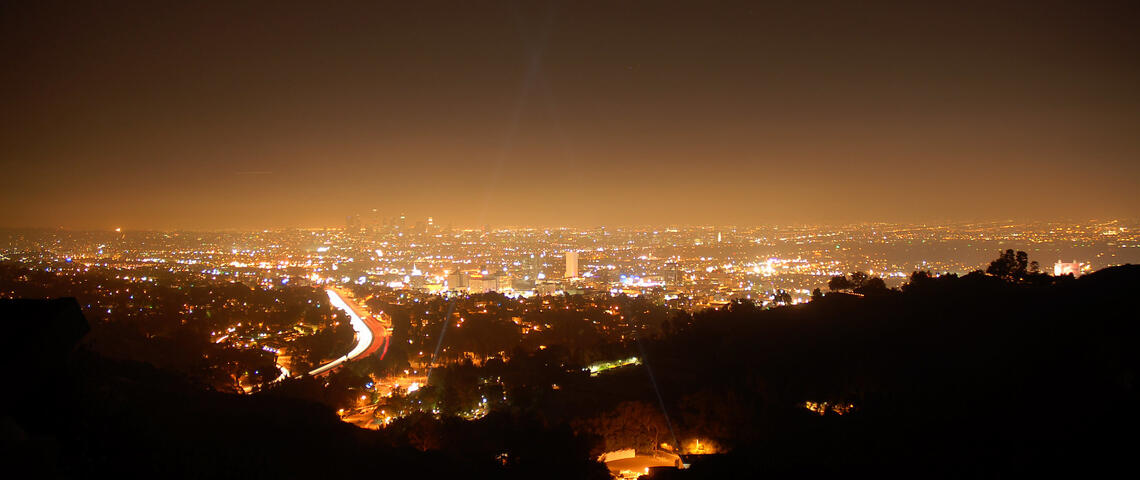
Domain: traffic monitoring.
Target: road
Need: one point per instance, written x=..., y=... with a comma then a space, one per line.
x=371, y=334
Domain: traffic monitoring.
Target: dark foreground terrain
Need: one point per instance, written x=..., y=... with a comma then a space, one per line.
x=971, y=376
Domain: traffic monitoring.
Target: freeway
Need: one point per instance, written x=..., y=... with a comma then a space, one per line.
x=284, y=374
x=371, y=334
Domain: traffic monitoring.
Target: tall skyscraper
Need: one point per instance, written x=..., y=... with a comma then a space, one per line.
x=352, y=224
x=571, y=264
x=672, y=274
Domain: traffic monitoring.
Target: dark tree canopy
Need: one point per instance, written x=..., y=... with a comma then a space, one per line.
x=1010, y=265
x=839, y=283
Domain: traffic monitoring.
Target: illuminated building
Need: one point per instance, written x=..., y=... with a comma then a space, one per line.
x=457, y=281
x=1070, y=268
x=483, y=283
x=571, y=264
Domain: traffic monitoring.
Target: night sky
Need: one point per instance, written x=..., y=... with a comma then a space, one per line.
x=278, y=114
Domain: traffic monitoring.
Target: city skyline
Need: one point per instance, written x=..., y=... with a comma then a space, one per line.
x=450, y=228
x=698, y=265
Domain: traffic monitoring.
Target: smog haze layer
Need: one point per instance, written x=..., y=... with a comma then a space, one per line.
x=271, y=114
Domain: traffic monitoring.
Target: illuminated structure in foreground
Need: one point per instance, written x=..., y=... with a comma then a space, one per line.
x=1073, y=268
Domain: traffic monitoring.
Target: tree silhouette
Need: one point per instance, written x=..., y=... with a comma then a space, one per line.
x=742, y=305
x=1012, y=266
x=633, y=424
x=872, y=285
x=839, y=283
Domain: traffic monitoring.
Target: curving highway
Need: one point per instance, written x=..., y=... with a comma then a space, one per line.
x=371, y=335
x=284, y=373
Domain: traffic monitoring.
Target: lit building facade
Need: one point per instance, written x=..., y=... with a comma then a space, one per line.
x=1067, y=268
x=571, y=264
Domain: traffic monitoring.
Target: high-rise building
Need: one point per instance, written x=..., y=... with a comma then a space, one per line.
x=458, y=281
x=373, y=220
x=352, y=224
x=571, y=264
x=672, y=274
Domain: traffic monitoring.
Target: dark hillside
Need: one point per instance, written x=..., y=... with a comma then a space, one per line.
x=971, y=375
x=74, y=413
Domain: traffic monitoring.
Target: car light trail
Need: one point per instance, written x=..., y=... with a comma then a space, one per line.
x=363, y=334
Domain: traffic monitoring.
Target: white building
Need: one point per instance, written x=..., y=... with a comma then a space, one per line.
x=1071, y=268
x=571, y=264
